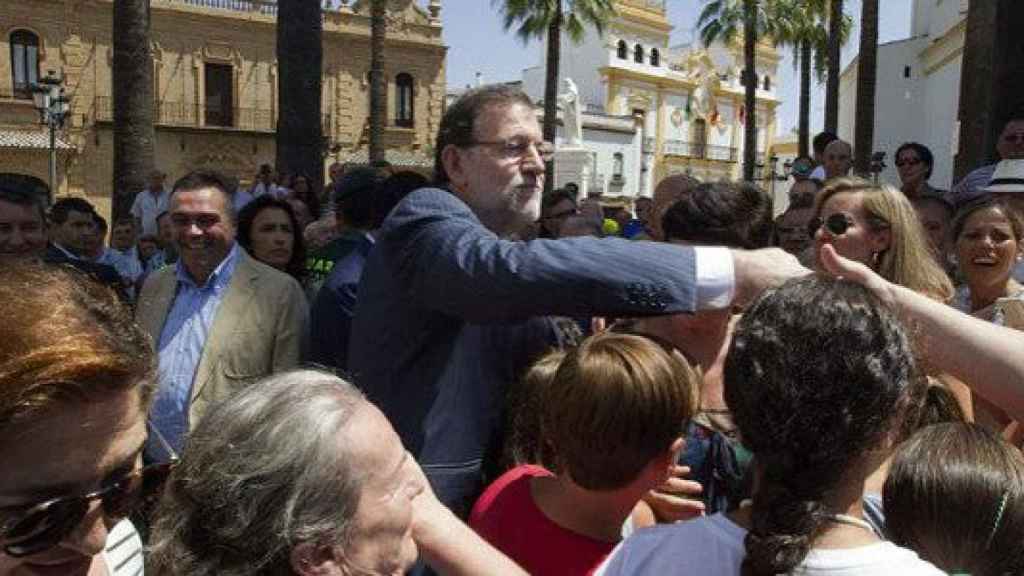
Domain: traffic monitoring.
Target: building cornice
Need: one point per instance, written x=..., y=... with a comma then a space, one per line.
x=945, y=48
x=667, y=83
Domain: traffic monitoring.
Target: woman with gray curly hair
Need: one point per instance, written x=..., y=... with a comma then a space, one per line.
x=299, y=474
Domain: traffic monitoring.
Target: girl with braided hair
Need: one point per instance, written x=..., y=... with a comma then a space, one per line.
x=822, y=383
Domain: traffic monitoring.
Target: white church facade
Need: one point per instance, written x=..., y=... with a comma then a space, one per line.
x=687, y=103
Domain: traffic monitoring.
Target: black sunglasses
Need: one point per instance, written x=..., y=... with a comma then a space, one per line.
x=44, y=525
x=837, y=224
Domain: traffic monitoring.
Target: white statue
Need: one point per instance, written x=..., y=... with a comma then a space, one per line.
x=701, y=69
x=572, y=120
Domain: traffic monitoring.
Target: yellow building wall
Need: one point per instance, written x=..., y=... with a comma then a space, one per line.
x=75, y=40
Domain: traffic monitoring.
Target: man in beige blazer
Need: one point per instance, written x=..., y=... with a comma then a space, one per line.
x=219, y=319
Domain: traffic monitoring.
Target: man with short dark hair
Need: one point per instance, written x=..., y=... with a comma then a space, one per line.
x=335, y=303
x=818, y=145
x=220, y=318
x=353, y=202
x=72, y=230
x=450, y=312
x=22, y=225
x=122, y=250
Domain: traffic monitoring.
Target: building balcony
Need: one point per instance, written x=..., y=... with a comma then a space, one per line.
x=191, y=115
x=700, y=150
x=268, y=7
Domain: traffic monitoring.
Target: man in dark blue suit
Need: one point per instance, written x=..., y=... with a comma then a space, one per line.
x=72, y=226
x=335, y=303
x=448, y=308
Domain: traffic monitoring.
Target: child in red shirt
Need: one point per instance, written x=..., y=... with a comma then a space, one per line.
x=612, y=416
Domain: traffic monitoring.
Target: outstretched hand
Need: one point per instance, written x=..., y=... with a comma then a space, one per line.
x=756, y=270
x=853, y=271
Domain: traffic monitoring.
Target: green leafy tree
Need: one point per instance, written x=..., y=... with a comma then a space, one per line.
x=724, y=20
x=548, y=18
x=867, y=72
x=803, y=26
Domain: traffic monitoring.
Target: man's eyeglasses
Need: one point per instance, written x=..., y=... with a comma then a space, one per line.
x=202, y=221
x=908, y=162
x=837, y=224
x=519, y=148
x=44, y=525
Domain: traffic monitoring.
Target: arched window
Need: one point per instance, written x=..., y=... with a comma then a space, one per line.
x=623, y=50
x=24, y=62
x=767, y=83
x=655, y=57
x=638, y=54
x=404, y=100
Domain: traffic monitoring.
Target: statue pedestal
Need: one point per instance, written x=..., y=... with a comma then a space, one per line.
x=573, y=165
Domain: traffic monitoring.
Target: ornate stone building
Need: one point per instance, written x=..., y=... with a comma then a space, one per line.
x=215, y=86
x=688, y=100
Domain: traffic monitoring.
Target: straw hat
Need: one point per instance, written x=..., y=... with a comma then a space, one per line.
x=1008, y=177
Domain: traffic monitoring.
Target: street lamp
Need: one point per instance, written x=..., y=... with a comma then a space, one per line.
x=49, y=99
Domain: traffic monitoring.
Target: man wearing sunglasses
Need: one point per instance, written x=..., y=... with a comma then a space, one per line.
x=1010, y=147
x=76, y=379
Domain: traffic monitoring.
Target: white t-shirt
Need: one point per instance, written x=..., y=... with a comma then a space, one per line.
x=123, y=553
x=713, y=545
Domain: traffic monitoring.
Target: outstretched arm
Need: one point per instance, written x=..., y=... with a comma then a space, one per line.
x=985, y=356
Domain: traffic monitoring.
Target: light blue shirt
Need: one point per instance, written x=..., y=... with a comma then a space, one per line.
x=181, y=347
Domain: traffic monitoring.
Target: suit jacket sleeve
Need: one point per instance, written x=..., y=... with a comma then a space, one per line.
x=290, y=330
x=443, y=257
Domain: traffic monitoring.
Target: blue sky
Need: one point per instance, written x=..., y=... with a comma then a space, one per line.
x=477, y=42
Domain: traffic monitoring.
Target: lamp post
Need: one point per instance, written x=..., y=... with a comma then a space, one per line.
x=49, y=99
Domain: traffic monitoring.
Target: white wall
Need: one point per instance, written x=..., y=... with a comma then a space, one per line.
x=942, y=102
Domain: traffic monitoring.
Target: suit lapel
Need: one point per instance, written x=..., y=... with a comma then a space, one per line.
x=231, y=311
x=154, y=314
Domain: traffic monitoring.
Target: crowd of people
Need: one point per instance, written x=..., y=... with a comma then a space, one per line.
x=463, y=375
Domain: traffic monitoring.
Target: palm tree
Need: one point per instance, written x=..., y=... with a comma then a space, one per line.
x=378, y=84
x=723, y=20
x=867, y=68
x=835, y=42
x=802, y=26
x=133, y=103
x=548, y=18
x=300, y=141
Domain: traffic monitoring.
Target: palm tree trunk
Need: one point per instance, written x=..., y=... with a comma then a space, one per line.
x=554, y=57
x=378, y=84
x=864, y=124
x=300, y=143
x=134, y=135
x=977, y=93
x=832, y=84
x=750, y=125
x=803, y=146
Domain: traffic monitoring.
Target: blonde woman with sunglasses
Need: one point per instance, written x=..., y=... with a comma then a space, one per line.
x=876, y=225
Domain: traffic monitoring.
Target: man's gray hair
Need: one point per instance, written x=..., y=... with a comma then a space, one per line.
x=263, y=471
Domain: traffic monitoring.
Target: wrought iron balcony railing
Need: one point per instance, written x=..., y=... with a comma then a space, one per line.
x=187, y=114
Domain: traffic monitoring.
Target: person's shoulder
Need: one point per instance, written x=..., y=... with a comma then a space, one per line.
x=713, y=544
x=876, y=559
x=510, y=491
